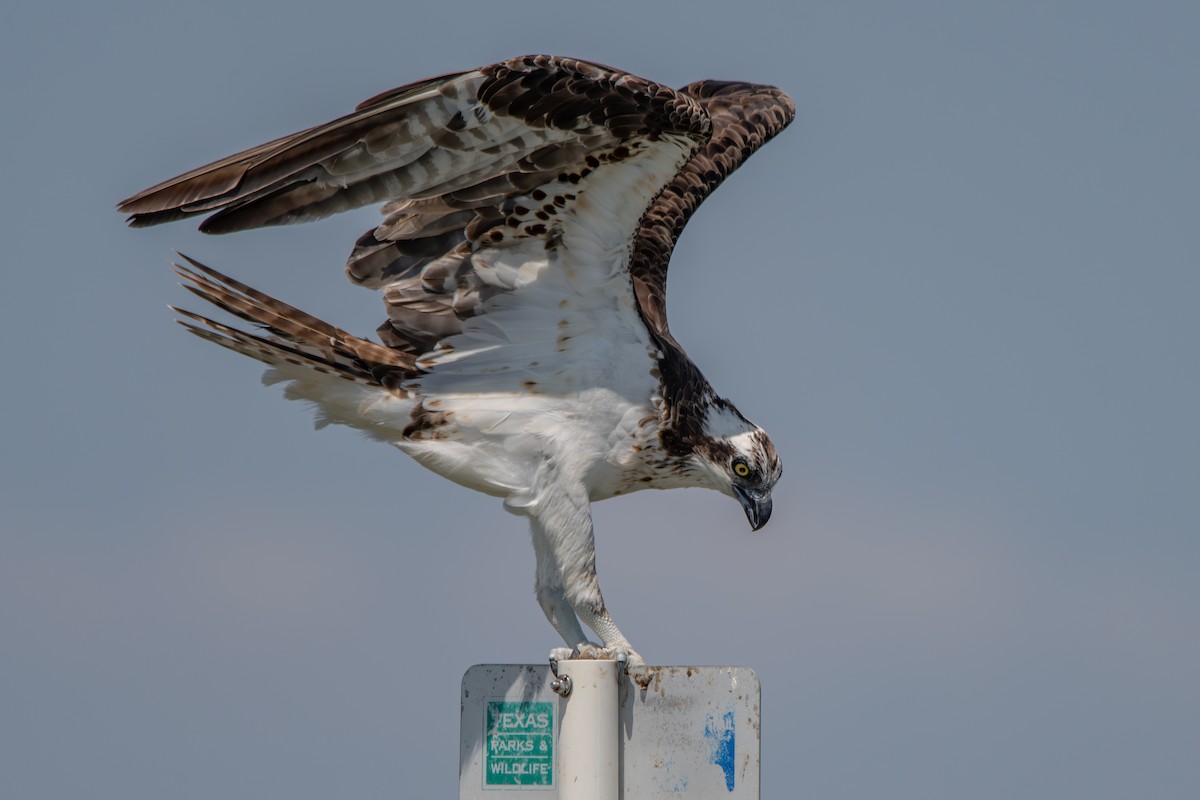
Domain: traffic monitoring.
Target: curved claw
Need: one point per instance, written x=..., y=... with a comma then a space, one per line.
x=588, y=651
x=561, y=654
x=628, y=660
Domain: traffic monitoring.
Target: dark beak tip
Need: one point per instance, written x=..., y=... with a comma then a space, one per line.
x=758, y=510
x=764, y=517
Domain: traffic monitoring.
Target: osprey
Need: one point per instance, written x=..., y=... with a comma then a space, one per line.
x=531, y=207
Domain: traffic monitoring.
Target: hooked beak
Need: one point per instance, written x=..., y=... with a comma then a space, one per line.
x=756, y=504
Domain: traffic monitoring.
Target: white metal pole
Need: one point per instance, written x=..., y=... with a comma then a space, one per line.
x=588, y=755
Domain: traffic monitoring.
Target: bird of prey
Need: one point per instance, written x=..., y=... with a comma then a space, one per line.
x=530, y=210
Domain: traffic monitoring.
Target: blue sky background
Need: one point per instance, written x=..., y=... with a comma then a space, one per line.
x=960, y=291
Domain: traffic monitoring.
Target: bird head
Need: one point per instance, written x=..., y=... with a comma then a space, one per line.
x=740, y=460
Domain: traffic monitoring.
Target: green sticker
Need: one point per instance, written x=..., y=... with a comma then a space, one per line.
x=519, y=744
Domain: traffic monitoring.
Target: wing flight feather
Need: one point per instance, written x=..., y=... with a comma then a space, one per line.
x=484, y=160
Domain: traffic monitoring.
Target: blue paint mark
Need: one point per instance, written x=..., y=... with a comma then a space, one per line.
x=721, y=741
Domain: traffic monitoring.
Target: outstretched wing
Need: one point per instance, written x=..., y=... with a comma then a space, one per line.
x=480, y=171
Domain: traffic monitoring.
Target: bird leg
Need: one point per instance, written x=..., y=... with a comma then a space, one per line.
x=552, y=597
x=568, y=589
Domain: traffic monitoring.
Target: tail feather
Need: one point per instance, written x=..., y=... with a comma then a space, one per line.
x=269, y=351
x=295, y=337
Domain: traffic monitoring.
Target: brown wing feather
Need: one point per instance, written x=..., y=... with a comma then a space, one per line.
x=397, y=144
x=744, y=118
x=316, y=155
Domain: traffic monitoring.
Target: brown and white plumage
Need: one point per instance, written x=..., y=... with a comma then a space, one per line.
x=531, y=208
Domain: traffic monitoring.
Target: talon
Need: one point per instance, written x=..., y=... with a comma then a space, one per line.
x=590, y=652
x=625, y=656
x=640, y=674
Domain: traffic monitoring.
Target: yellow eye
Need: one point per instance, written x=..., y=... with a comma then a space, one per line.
x=740, y=469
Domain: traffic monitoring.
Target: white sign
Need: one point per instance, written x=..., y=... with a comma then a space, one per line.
x=693, y=732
